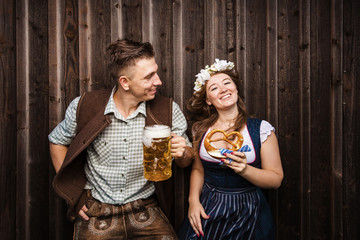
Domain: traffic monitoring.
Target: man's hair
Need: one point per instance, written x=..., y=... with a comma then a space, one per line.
x=124, y=53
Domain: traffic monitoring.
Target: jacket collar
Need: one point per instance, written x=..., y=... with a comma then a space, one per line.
x=111, y=108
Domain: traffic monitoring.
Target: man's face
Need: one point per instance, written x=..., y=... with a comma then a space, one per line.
x=144, y=79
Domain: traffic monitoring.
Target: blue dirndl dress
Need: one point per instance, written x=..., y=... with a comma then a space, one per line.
x=237, y=208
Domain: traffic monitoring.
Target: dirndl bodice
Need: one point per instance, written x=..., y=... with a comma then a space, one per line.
x=236, y=207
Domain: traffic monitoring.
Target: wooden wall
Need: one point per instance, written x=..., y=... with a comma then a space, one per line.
x=299, y=67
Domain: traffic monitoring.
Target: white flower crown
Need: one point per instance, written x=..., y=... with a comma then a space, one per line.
x=205, y=74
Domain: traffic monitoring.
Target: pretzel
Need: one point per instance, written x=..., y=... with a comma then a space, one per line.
x=216, y=152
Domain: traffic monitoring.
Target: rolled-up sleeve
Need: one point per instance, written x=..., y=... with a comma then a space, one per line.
x=179, y=124
x=65, y=131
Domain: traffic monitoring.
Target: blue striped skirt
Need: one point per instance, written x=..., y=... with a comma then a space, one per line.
x=234, y=214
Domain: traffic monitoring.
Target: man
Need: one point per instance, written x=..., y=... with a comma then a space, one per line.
x=97, y=151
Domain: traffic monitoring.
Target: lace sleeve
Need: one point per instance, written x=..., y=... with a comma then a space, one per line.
x=265, y=130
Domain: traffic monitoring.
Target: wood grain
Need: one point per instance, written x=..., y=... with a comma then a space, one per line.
x=298, y=62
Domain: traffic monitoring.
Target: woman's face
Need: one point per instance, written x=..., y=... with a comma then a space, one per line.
x=221, y=92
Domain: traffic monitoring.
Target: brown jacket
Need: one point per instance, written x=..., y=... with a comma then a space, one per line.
x=70, y=180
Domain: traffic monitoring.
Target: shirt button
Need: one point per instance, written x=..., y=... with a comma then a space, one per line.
x=124, y=139
x=124, y=157
x=121, y=190
x=122, y=175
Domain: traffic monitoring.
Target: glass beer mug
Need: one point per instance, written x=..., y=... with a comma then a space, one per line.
x=157, y=154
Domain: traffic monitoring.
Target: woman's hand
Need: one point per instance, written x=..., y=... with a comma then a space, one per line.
x=237, y=161
x=196, y=211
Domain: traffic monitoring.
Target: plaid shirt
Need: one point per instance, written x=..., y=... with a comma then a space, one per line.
x=114, y=167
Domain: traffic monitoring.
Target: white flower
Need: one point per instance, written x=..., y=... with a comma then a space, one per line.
x=205, y=74
x=198, y=86
x=213, y=68
x=222, y=65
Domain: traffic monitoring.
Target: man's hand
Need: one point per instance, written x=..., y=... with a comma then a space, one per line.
x=183, y=154
x=82, y=213
x=178, y=145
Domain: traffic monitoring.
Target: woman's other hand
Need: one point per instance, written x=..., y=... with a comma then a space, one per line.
x=196, y=211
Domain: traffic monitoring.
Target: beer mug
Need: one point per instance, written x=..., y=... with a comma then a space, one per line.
x=157, y=154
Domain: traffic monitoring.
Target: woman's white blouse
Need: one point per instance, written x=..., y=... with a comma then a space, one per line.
x=265, y=130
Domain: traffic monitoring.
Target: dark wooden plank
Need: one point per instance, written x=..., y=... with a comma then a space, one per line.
x=85, y=51
x=7, y=120
x=271, y=62
x=289, y=132
x=37, y=183
x=336, y=120
x=230, y=35
x=305, y=113
x=100, y=33
x=178, y=78
x=71, y=52
x=192, y=43
x=351, y=118
x=240, y=35
x=210, y=29
x=160, y=35
x=22, y=119
x=59, y=227
x=320, y=120
x=256, y=58
x=116, y=20
x=56, y=63
x=220, y=25
x=272, y=114
x=215, y=30
x=32, y=104
x=132, y=19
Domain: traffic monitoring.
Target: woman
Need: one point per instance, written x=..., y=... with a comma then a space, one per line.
x=225, y=200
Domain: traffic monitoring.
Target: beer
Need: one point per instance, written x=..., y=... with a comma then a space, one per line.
x=157, y=155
